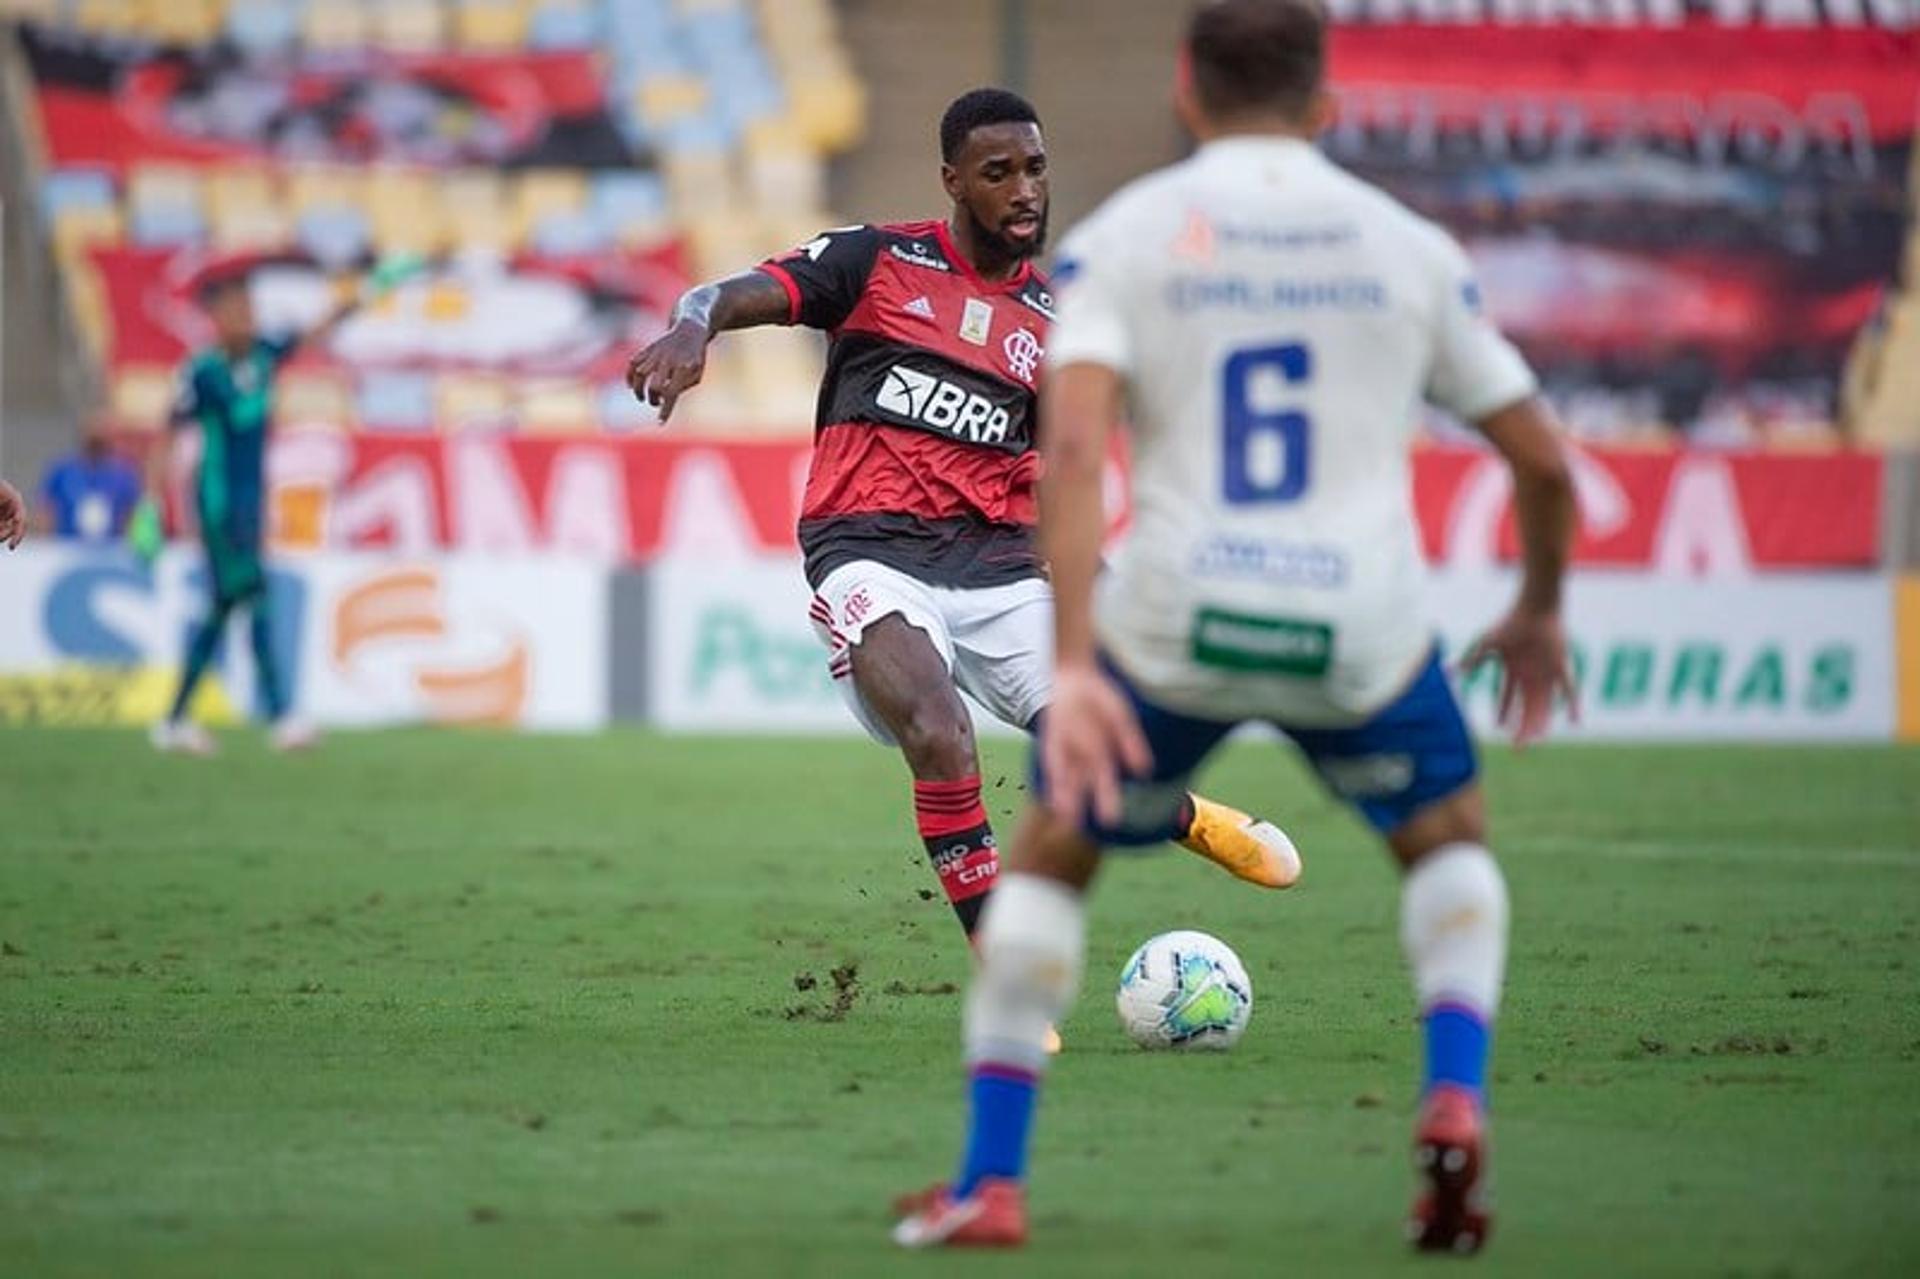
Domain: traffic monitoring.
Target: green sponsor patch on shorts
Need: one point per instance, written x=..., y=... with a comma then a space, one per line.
x=1269, y=645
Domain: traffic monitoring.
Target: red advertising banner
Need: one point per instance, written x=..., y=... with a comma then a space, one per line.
x=1679, y=512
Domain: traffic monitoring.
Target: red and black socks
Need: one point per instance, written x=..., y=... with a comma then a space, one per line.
x=953, y=823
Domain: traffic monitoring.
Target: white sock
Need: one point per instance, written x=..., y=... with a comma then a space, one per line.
x=1032, y=946
x=1453, y=926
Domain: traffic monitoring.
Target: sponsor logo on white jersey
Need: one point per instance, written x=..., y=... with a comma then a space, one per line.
x=935, y=402
x=1023, y=353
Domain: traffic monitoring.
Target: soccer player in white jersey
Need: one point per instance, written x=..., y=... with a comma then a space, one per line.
x=1273, y=324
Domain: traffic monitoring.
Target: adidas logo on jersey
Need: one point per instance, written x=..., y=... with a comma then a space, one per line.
x=921, y=306
x=921, y=397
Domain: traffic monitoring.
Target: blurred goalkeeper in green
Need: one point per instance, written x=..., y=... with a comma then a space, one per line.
x=226, y=390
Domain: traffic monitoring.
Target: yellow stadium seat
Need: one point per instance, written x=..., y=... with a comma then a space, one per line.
x=487, y=228
x=76, y=230
x=556, y=406
x=490, y=26
x=831, y=110
x=541, y=193
x=238, y=187
x=409, y=26
x=334, y=26
x=315, y=186
x=403, y=207
x=700, y=183
x=243, y=227
x=141, y=395
x=163, y=184
x=665, y=99
x=189, y=22
x=472, y=188
x=108, y=17
x=471, y=401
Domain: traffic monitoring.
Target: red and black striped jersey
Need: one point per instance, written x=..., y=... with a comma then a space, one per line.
x=924, y=436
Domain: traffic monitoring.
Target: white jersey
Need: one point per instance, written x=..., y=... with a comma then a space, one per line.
x=1277, y=322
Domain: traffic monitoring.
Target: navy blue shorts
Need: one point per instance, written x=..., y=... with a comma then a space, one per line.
x=1414, y=751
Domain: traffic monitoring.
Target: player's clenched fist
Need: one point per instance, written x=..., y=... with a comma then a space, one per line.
x=13, y=515
x=670, y=365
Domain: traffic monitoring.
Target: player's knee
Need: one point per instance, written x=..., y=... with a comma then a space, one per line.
x=1460, y=818
x=937, y=738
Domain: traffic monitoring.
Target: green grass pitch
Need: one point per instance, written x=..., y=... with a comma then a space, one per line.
x=425, y=1004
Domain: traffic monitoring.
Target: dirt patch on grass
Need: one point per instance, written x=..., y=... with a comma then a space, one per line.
x=846, y=989
x=923, y=988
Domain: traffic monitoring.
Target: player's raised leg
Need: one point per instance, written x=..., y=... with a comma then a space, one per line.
x=1003, y=657
x=1247, y=847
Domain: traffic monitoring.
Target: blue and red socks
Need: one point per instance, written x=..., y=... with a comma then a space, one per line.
x=1000, y=1103
x=959, y=840
x=1457, y=1042
x=1453, y=926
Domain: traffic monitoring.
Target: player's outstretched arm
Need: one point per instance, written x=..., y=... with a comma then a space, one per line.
x=673, y=363
x=1531, y=641
x=1090, y=737
x=13, y=515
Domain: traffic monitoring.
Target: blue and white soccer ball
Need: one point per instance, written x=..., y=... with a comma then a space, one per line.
x=1184, y=990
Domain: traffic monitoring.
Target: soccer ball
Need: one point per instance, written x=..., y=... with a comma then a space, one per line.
x=1184, y=990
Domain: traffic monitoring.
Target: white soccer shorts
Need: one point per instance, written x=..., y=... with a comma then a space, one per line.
x=996, y=641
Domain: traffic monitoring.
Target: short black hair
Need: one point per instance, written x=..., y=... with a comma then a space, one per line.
x=218, y=284
x=977, y=108
x=1258, y=56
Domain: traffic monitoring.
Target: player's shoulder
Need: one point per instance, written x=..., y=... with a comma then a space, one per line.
x=1387, y=218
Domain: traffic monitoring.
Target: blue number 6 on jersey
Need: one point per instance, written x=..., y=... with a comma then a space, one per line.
x=1265, y=458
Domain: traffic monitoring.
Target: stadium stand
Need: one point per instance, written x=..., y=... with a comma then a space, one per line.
x=566, y=166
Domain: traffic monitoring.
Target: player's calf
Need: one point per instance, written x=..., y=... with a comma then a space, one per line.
x=1453, y=925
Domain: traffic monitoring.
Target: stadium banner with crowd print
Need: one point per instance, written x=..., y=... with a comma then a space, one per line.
x=1685, y=512
x=1685, y=211
x=470, y=341
x=1792, y=656
x=95, y=636
x=111, y=103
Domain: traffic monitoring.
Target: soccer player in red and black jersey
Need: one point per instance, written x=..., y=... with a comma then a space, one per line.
x=918, y=519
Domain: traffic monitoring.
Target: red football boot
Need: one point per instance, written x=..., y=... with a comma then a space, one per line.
x=993, y=1216
x=1449, y=1150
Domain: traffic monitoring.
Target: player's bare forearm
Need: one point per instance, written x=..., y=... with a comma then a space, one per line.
x=744, y=301
x=673, y=363
x=1526, y=436
x=1077, y=414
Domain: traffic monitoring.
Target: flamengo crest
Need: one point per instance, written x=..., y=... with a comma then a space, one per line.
x=1023, y=353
